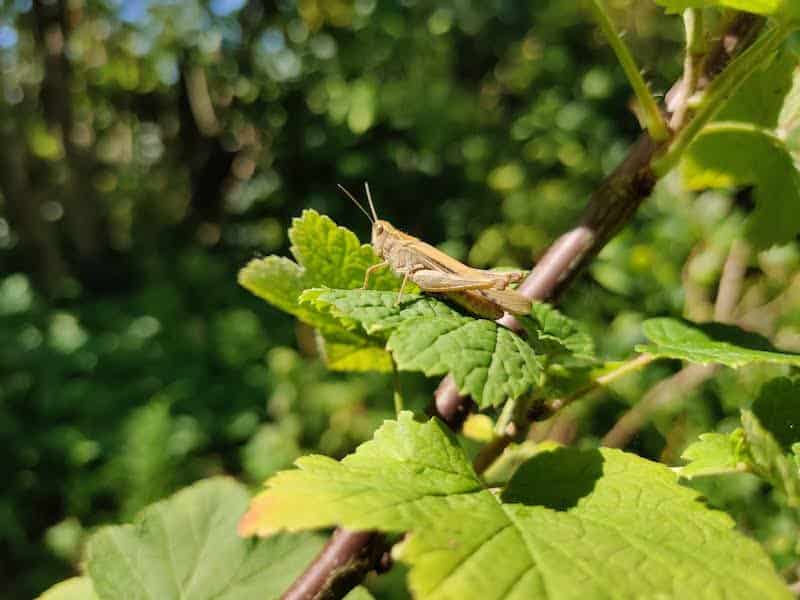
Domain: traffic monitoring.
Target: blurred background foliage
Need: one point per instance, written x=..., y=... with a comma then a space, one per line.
x=151, y=147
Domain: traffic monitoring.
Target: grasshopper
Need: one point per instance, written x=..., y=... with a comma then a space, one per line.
x=484, y=293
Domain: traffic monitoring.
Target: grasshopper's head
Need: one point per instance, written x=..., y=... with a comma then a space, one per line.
x=381, y=235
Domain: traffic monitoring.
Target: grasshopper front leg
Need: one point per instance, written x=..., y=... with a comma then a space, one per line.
x=371, y=270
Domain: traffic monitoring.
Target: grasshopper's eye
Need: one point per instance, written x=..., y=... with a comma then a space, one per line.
x=379, y=228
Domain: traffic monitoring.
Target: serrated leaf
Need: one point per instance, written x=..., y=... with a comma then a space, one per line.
x=710, y=343
x=769, y=460
x=332, y=256
x=377, y=313
x=280, y=282
x=557, y=332
x=715, y=454
x=759, y=7
x=778, y=410
x=327, y=255
x=75, y=588
x=570, y=524
x=186, y=547
x=714, y=160
x=487, y=361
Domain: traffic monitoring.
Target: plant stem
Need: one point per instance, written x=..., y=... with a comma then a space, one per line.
x=692, y=66
x=398, y=391
x=654, y=120
x=629, y=366
x=718, y=93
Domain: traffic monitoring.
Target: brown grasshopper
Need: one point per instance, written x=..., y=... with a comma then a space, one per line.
x=485, y=293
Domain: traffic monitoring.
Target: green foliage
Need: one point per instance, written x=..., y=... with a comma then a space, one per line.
x=713, y=162
x=186, y=547
x=558, y=334
x=712, y=343
x=195, y=130
x=604, y=513
x=750, y=119
x=488, y=362
x=764, y=445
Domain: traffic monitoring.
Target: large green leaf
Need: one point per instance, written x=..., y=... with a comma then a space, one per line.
x=762, y=97
x=710, y=343
x=186, y=548
x=570, y=523
x=487, y=361
x=326, y=255
x=714, y=160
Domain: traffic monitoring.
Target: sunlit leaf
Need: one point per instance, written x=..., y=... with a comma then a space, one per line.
x=571, y=523
x=710, y=343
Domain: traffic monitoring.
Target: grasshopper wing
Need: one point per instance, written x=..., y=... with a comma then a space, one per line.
x=509, y=300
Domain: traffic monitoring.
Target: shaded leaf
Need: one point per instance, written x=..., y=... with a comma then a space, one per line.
x=714, y=160
x=186, y=547
x=343, y=353
x=769, y=460
x=778, y=410
x=710, y=343
x=570, y=523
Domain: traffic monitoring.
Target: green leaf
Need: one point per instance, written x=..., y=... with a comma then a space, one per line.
x=377, y=313
x=710, y=343
x=714, y=161
x=778, y=410
x=762, y=96
x=715, y=454
x=487, y=361
x=331, y=256
x=75, y=588
x=759, y=7
x=558, y=333
x=186, y=547
x=769, y=460
x=570, y=523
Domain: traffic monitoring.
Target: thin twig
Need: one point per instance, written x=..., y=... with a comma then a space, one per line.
x=679, y=103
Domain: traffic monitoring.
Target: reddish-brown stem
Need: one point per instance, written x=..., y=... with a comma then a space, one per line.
x=610, y=208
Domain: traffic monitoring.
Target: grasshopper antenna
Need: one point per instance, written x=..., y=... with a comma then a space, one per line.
x=361, y=208
x=369, y=199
